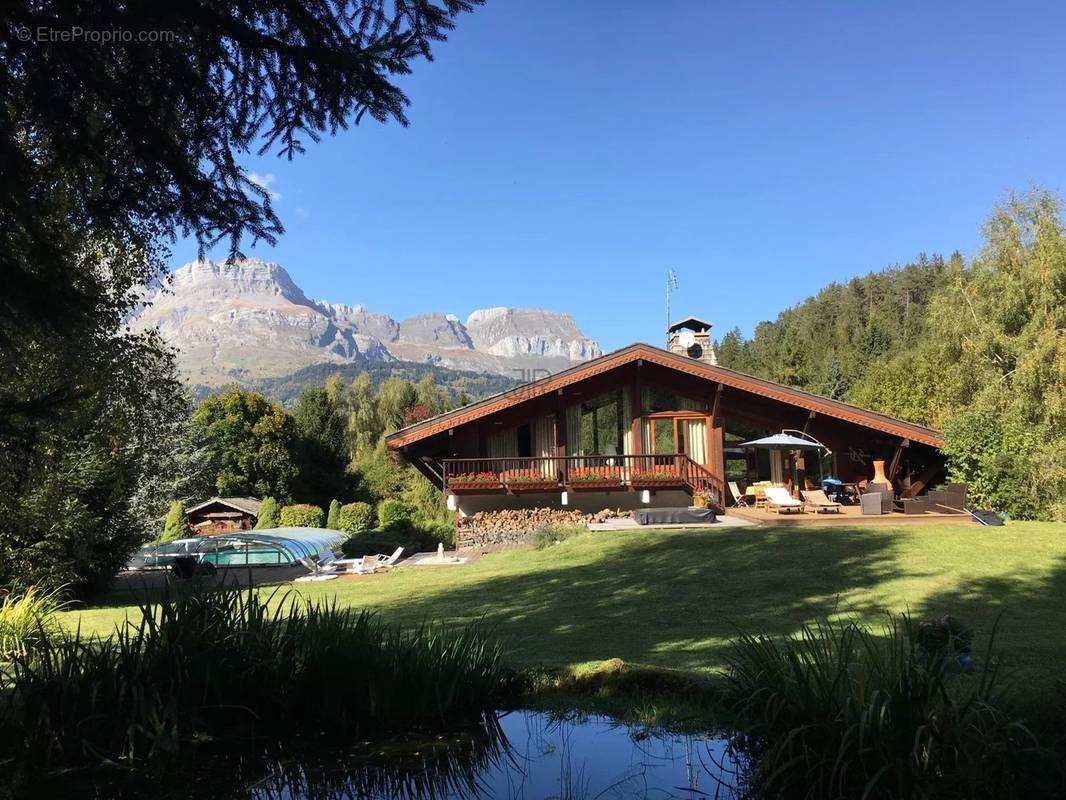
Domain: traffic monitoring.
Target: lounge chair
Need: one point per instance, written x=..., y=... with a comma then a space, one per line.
x=369, y=564
x=739, y=498
x=760, y=492
x=816, y=499
x=391, y=560
x=778, y=499
x=323, y=568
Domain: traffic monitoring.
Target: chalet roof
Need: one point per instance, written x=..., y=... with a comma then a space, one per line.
x=654, y=355
x=249, y=505
x=694, y=323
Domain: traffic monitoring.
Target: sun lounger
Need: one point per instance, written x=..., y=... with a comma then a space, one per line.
x=369, y=564
x=739, y=498
x=816, y=499
x=323, y=568
x=778, y=499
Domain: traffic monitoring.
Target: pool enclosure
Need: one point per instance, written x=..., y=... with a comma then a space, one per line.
x=255, y=548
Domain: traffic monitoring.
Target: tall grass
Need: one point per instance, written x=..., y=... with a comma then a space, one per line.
x=28, y=619
x=232, y=664
x=840, y=710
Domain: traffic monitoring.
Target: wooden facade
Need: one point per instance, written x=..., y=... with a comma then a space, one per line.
x=223, y=515
x=723, y=405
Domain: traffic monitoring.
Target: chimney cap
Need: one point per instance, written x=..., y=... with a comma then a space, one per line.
x=690, y=323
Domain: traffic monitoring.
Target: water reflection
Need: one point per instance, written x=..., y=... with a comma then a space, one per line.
x=518, y=756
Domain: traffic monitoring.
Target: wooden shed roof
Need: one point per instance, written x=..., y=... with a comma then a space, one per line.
x=247, y=505
x=654, y=355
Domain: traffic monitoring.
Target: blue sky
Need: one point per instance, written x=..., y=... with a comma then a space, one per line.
x=565, y=154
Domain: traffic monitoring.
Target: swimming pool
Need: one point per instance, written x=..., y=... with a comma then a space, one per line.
x=246, y=556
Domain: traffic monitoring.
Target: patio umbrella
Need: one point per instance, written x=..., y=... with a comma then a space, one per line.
x=786, y=441
x=783, y=441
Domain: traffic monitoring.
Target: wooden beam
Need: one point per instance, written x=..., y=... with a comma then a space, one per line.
x=926, y=477
x=716, y=406
x=636, y=407
x=897, y=456
x=560, y=425
x=810, y=419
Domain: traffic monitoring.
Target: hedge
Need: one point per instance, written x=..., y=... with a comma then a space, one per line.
x=356, y=517
x=302, y=515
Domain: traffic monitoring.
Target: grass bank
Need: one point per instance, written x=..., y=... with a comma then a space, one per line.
x=675, y=599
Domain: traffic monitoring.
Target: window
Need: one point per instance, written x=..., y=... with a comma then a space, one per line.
x=656, y=400
x=600, y=425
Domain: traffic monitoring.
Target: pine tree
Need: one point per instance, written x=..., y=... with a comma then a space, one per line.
x=269, y=514
x=333, y=519
x=175, y=526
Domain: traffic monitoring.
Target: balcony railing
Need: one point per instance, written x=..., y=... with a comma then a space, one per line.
x=579, y=473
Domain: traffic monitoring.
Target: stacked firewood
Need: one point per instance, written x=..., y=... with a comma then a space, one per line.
x=509, y=526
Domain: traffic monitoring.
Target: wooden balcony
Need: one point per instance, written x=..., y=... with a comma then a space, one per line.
x=579, y=473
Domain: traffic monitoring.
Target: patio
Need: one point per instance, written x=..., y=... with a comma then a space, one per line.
x=850, y=516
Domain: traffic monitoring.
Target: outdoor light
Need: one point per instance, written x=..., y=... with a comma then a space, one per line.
x=645, y=496
x=451, y=502
x=564, y=499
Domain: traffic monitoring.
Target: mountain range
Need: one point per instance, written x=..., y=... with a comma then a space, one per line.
x=247, y=320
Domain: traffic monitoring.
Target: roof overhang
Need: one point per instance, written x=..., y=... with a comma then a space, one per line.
x=243, y=505
x=654, y=355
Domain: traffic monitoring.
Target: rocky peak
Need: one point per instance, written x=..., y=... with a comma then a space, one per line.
x=248, y=319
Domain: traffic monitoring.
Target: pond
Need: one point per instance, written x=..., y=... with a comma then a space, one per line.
x=521, y=755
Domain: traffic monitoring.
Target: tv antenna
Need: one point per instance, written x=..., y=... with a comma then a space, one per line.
x=671, y=284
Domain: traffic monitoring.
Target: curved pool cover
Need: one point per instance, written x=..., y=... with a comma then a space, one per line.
x=296, y=544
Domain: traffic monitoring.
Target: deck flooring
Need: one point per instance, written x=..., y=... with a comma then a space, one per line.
x=848, y=515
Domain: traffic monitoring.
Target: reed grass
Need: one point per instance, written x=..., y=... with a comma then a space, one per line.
x=841, y=710
x=28, y=619
x=231, y=664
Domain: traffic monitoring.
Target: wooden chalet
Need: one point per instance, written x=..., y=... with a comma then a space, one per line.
x=645, y=426
x=223, y=514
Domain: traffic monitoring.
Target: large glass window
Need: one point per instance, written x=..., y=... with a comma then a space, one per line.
x=656, y=400
x=599, y=425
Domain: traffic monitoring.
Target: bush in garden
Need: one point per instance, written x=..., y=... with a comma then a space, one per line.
x=333, y=518
x=302, y=515
x=268, y=514
x=372, y=544
x=356, y=517
x=555, y=534
x=438, y=531
x=393, y=513
x=843, y=710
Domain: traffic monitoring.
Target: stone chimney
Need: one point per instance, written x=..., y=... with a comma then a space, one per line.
x=691, y=337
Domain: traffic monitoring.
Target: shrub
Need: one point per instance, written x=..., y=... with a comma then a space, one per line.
x=356, y=517
x=333, y=518
x=301, y=515
x=27, y=620
x=216, y=663
x=176, y=525
x=371, y=545
x=995, y=454
x=555, y=534
x=841, y=711
x=268, y=514
x=393, y=513
x=442, y=531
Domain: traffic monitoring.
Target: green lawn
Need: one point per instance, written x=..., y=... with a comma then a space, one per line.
x=673, y=599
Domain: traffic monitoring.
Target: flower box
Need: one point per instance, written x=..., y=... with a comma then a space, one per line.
x=474, y=482
x=594, y=479
x=595, y=484
x=474, y=487
x=656, y=479
x=531, y=483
